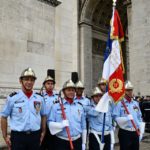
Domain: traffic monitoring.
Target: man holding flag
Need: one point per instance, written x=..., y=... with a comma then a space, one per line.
x=128, y=137
x=112, y=70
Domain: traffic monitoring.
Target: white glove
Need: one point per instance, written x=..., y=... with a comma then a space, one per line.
x=55, y=127
x=142, y=127
x=140, y=137
x=84, y=136
x=65, y=123
x=130, y=117
x=83, y=147
x=112, y=136
x=112, y=146
x=113, y=128
x=122, y=121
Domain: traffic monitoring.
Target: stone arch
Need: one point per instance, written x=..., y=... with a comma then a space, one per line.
x=87, y=10
x=94, y=19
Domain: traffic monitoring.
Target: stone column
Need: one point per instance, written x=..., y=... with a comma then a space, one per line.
x=86, y=56
x=66, y=44
x=139, y=46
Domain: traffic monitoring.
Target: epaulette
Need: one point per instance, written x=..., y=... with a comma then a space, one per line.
x=39, y=94
x=135, y=100
x=80, y=104
x=88, y=97
x=12, y=94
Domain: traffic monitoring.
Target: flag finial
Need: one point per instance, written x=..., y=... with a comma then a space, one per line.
x=114, y=2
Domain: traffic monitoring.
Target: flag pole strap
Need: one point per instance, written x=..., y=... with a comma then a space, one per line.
x=64, y=117
x=126, y=109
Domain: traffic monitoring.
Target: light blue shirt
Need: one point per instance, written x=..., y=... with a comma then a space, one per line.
x=74, y=114
x=134, y=110
x=95, y=119
x=25, y=113
x=83, y=100
x=49, y=101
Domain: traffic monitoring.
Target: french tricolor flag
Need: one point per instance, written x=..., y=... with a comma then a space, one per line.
x=113, y=65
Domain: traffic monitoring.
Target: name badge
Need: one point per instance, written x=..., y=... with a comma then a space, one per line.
x=20, y=109
x=136, y=108
x=17, y=102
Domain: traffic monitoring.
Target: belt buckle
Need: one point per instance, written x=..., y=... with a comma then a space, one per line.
x=28, y=132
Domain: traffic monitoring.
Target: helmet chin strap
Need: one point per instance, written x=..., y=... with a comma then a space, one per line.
x=128, y=96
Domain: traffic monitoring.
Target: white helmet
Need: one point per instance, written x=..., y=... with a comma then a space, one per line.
x=79, y=84
x=128, y=85
x=101, y=81
x=96, y=91
x=28, y=72
x=68, y=84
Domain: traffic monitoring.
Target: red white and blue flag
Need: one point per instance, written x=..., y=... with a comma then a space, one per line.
x=113, y=65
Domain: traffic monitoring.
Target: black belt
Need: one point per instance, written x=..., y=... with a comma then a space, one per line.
x=29, y=132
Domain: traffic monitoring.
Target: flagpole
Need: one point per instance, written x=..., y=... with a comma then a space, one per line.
x=126, y=109
x=103, y=129
x=104, y=117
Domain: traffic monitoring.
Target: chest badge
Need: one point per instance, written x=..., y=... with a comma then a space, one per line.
x=20, y=110
x=37, y=106
x=136, y=108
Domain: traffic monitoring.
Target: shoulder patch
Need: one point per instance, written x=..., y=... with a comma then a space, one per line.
x=12, y=94
x=39, y=94
x=55, y=101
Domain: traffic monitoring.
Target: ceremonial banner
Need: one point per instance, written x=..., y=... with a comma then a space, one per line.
x=113, y=65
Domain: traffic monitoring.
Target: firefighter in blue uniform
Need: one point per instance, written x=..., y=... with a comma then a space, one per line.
x=50, y=96
x=75, y=121
x=80, y=98
x=95, y=119
x=79, y=94
x=102, y=85
x=128, y=138
x=26, y=110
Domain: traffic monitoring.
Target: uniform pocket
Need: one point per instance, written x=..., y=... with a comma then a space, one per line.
x=19, y=108
x=59, y=115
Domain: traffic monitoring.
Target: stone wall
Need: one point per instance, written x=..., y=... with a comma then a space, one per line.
x=38, y=35
x=26, y=39
x=35, y=34
x=139, y=46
